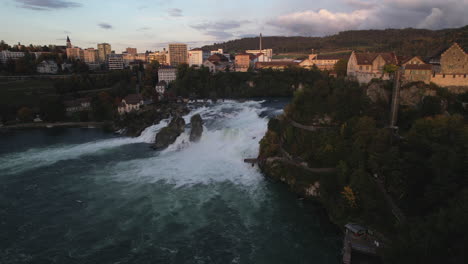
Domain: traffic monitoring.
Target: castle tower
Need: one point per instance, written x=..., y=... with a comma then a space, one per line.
x=69, y=45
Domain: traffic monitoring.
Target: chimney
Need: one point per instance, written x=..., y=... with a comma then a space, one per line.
x=261, y=42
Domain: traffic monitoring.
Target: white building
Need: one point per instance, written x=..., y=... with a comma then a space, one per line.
x=47, y=67
x=267, y=54
x=10, y=55
x=130, y=103
x=219, y=51
x=78, y=105
x=115, y=62
x=161, y=89
x=167, y=74
x=197, y=57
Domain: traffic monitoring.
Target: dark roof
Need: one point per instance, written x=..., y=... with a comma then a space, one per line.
x=418, y=67
x=166, y=67
x=368, y=58
x=355, y=228
x=275, y=63
x=133, y=98
x=217, y=58
x=196, y=49
x=328, y=57
x=161, y=83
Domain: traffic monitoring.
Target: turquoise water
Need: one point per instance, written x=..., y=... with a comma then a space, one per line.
x=83, y=196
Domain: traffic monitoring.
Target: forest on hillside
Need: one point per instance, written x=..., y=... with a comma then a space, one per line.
x=407, y=42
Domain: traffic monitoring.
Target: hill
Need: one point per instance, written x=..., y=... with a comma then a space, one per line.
x=407, y=41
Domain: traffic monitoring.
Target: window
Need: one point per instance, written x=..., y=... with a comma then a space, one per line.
x=360, y=68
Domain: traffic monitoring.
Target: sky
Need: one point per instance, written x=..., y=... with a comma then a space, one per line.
x=152, y=24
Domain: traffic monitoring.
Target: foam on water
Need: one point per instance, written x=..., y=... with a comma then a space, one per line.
x=217, y=157
x=231, y=133
x=39, y=157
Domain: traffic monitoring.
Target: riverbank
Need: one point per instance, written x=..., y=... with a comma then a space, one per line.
x=56, y=125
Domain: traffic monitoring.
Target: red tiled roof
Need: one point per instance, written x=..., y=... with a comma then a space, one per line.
x=217, y=58
x=133, y=98
x=368, y=58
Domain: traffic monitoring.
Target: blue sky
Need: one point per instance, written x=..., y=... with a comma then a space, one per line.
x=151, y=24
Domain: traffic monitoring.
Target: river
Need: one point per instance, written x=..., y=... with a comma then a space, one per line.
x=83, y=196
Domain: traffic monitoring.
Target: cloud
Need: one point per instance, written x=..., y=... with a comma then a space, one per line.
x=105, y=26
x=360, y=4
x=320, y=22
x=43, y=5
x=175, y=12
x=219, y=29
x=376, y=14
x=143, y=29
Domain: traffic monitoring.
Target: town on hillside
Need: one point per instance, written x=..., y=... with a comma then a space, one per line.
x=149, y=76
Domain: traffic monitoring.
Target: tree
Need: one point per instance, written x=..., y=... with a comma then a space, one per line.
x=390, y=68
x=341, y=67
x=25, y=114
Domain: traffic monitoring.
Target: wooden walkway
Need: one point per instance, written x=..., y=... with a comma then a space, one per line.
x=304, y=127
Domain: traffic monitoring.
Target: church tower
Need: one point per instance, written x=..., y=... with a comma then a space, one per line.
x=69, y=45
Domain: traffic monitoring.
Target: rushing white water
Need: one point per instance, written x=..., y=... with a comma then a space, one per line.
x=232, y=132
x=217, y=157
x=115, y=200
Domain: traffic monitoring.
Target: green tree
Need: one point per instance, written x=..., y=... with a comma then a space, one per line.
x=341, y=67
x=25, y=114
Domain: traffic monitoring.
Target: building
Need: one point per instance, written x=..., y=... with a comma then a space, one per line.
x=159, y=56
x=450, y=68
x=161, y=89
x=177, y=54
x=132, y=51
x=167, y=74
x=275, y=65
x=366, y=66
x=218, y=51
x=47, y=67
x=130, y=103
x=78, y=105
x=38, y=54
x=322, y=62
x=244, y=61
x=134, y=57
x=418, y=73
x=74, y=52
x=90, y=55
x=115, y=62
x=10, y=55
x=69, y=45
x=217, y=63
x=197, y=57
x=104, y=49
x=267, y=53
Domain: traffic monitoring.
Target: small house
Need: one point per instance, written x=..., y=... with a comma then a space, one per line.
x=130, y=103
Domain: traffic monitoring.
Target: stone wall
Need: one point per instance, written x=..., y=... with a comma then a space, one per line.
x=451, y=80
x=366, y=77
x=454, y=61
